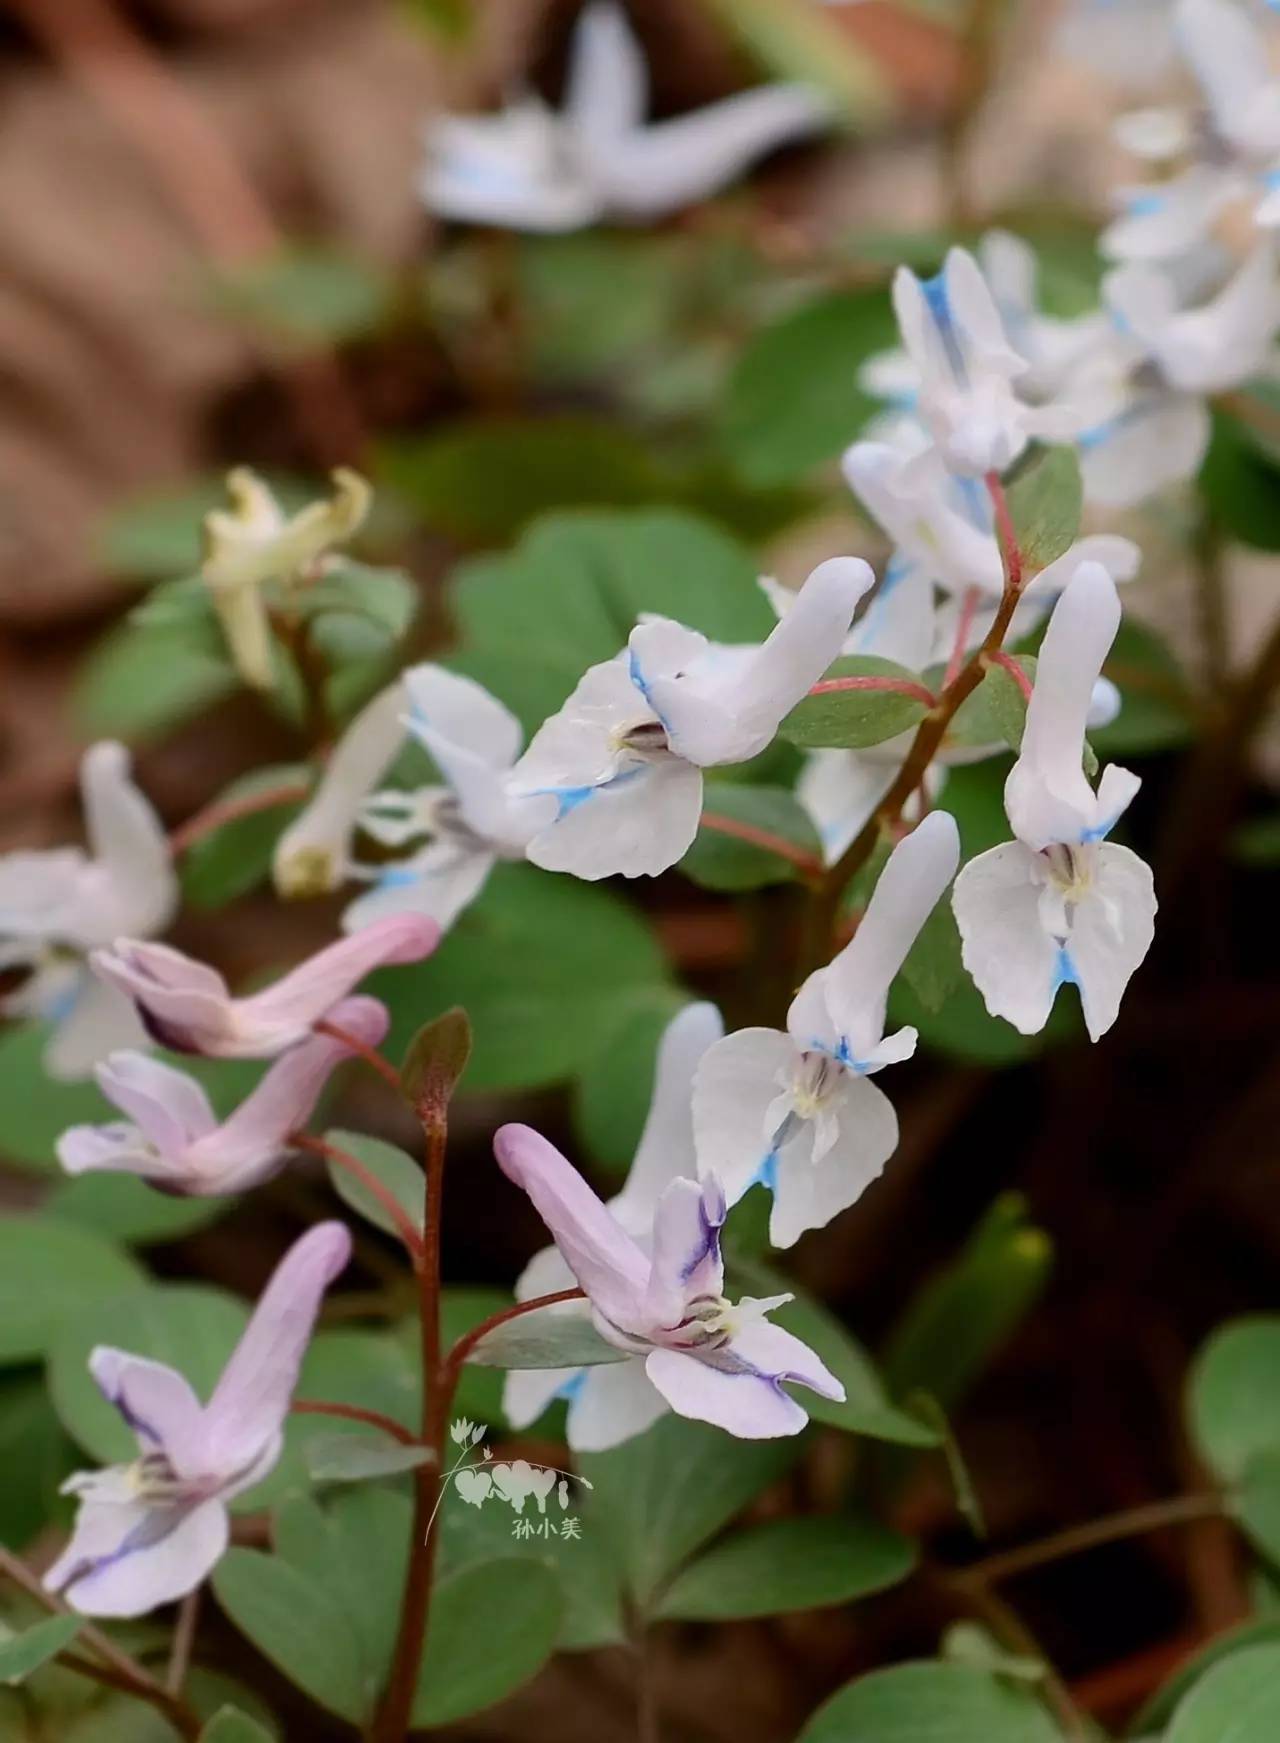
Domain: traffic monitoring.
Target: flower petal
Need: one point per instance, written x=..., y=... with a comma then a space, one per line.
x=167, y=1104
x=808, y=1193
x=1111, y=932
x=736, y=1083
x=251, y=1400
x=606, y=1261
x=314, y=853
x=156, y=1402
x=126, y=1560
x=856, y=983
x=134, y=888
x=613, y=1403
x=1013, y=961
x=439, y=882
x=666, y=1148
x=634, y=826
x=607, y=88
x=686, y=1249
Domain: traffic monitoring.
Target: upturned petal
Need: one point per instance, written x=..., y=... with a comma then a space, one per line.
x=314, y=853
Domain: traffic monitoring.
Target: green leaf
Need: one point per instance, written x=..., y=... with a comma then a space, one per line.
x=934, y=966
x=1256, y=1503
x=866, y=1408
x=35, y=1456
x=585, y=958
x=854, y=719
x=399, y=1173
x=964, y=1315
x=785, y=1565
x=1046, y=497
x=50, y=1274
x=305, y=296
x=1238, y=1701
x=156, y=536
x=945, y=1703
x=492, y=1628
x=719, y=860
x=22, y=1653
x=1157, y=1712
x=806, y=45
x=550, y=1338
x=482, y=481
x=972, y=1644
x=657, y=1498
x=1241, y=487
x=188, y=1326
x=139, y=683
x=596, y=302
x=230, y=861
x=794, y=399
x=387, y=598
x=436, y=1058
x=360, y=1458
x=127, y=1209
x=294, y=1622
x=479, y=1392
x=450, y=21
x=1257, y=842
x=1233, y=1395
x=611, y=1097
x=996, y=712
x=1157, y=707
x=230, y=1725
x=572, y=590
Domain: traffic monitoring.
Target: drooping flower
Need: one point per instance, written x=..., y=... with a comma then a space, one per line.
x=708, y=1358
x=58, y=904
x=618, y=770
x=256, y=543
x=149, y=1532
x=467, y=824
x=1060, y=902
x=172, y=1137
x=611, y=1402
x=529, y=168
x=972, y=381
x=796, y=1111
x=186, y=1005
x=1230, y=148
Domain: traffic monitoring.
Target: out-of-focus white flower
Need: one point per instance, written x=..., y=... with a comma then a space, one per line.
x=465, y=826
x=1165, y=359
x=256, y=543
x=618, y=771
x=796, y=1111
x=1127, y=41
x=531, y=168
x=59, y=904
x=976, y=387
x=1060, y=902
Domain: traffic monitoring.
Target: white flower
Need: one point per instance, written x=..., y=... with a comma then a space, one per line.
x=796, y=1111
x=612, y=1401
x=58, y=905
x=974, y=384
x=462, y=827
x=528, y=168
x=1165, y=359
x=618, y=771
x=467, y=824
x=1060, y=903
x=1234, y=140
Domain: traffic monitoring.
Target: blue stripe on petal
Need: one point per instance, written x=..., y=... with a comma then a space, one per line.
x=572, y=1386
x=935, y=295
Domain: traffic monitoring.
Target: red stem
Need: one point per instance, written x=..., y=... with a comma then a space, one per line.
x=222, y=812
x=1009, y=548
x=805, y=862
x=354, y=1413
x=468, y=1341
x=1015, y=671
x=900, y=686
x=362, y=1050
x=343, y=1159
x=964, y=623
